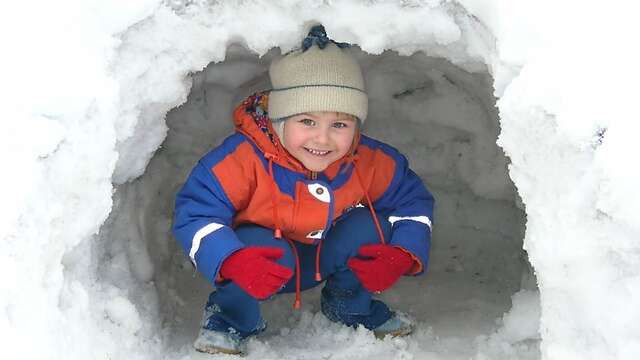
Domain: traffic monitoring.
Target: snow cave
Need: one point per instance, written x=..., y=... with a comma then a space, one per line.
x=442, y=117
x=519, y=116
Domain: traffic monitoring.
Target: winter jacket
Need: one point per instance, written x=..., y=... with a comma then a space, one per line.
x=251, y=178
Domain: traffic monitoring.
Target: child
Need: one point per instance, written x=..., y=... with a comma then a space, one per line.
x=297, y=197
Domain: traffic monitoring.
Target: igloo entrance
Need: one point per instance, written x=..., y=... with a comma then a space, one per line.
x=442, y=117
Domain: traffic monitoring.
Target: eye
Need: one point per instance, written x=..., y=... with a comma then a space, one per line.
x=307, y=121
x=340, y=125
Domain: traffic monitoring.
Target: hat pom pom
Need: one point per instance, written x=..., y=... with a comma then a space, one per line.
x=317, y=35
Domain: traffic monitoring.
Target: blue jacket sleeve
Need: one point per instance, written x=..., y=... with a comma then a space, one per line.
x=202, y=223
x=410, y=208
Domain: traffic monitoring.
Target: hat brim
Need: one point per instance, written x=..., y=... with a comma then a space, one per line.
x=284, y=103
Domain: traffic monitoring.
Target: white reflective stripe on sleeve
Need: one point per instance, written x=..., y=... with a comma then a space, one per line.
x=197, y=238
x=422, y=219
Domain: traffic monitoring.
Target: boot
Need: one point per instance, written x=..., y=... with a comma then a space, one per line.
x=398, y=325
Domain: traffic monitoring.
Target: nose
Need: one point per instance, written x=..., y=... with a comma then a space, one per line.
x=322, y=136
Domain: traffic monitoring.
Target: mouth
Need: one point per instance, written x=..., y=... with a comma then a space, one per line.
x=317, y=152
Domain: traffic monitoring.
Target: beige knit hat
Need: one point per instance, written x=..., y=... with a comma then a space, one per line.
x=321, y=76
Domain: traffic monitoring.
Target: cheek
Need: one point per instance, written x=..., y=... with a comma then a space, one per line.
x=344, y=141
x=293, y=137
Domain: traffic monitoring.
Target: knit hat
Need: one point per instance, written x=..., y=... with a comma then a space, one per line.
x=320, y=76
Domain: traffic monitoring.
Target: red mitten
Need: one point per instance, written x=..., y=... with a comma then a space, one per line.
x=380, y=266
x=253, y=269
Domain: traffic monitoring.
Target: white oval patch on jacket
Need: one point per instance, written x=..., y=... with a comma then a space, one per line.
x=315, y=234
x=319, y=192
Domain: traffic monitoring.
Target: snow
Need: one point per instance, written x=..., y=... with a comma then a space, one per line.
x=94, y=155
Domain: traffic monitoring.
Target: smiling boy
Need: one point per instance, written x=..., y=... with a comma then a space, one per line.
x=298, y=190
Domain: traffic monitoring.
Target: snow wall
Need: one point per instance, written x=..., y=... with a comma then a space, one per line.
x=90, y=83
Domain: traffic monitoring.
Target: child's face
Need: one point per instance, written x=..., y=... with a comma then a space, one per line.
x=317, y=139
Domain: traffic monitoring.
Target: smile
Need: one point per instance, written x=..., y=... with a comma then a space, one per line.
x=317, y=152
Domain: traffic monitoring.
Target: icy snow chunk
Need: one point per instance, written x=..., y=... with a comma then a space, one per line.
x=523, y=321
x=519, y=336
x=123, y=313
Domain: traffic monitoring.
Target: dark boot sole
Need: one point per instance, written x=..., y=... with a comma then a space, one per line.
x=397, y=333
x=218, y=350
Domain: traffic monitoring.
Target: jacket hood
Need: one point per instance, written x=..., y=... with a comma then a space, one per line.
x=251, y=118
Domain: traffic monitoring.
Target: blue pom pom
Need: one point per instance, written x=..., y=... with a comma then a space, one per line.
x=317, y=35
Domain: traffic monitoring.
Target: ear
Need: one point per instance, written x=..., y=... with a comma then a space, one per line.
x=279, y=129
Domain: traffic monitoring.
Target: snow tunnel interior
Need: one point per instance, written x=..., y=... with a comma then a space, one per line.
x=440, y=116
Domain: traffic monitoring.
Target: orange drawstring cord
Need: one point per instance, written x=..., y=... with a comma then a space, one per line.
x=318, y=276
x=277, y=233
x=296, y=304
x=369, y=202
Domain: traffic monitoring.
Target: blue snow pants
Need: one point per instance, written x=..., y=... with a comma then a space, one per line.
x=343, y=300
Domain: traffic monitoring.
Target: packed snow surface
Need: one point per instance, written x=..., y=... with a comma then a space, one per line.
x=92, y=161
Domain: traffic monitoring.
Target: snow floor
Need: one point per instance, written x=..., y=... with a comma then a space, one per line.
x=444, y=119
